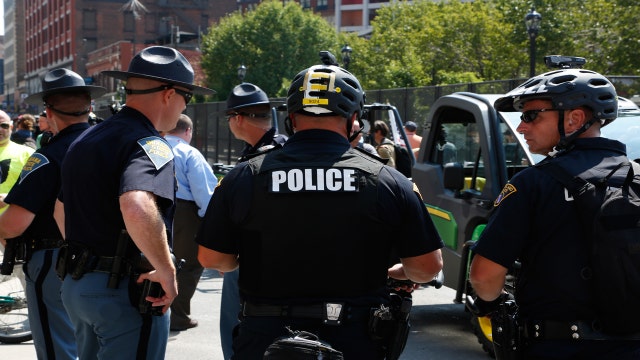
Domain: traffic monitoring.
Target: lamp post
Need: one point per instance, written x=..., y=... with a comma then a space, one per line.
x=346, y=55
x=532, y=20
x=242, y=71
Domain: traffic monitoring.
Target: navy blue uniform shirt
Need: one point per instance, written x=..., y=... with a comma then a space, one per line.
x=123, y=153
x=536, y=223
x=39, y=183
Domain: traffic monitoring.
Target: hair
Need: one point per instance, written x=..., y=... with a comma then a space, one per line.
x=184, y=122
x=382, y=126
x=26, y=122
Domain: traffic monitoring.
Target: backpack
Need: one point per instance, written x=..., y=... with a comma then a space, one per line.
x=611, y=216
x=402, y=158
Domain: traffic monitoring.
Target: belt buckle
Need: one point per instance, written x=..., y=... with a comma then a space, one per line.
x=333, y=313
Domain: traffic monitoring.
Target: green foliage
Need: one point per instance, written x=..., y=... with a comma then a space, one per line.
x=274, y=41
x=423, y=42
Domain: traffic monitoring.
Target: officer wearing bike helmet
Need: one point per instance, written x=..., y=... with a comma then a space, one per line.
x=535, y=221
x=322, y=275
x=67, y=102
x=118, y=190
x=249, y=115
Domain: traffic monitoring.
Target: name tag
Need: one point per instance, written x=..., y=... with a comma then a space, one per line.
x=305, y=180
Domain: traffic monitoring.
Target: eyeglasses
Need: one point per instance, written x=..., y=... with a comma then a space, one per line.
x=185, y=94
x=530, y=115
x=251, y=115
x=5, y=126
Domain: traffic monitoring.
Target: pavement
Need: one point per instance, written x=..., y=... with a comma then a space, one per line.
x=440, y=329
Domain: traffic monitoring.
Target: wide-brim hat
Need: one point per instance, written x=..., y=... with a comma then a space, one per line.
x=60, y=81
x=245, y=95
x=164, y=64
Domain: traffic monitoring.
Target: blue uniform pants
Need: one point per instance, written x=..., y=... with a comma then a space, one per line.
x=107, y=326
x=50, y=325
x=229, y=310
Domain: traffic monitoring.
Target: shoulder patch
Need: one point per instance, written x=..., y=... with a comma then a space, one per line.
x=35, y=161
x=506, y=191
x=157, y=149
x=417, y=191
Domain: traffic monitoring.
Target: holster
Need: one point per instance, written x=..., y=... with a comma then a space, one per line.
x=139, y=292
x=13, y=250
x=390, y=324
x=506, y=332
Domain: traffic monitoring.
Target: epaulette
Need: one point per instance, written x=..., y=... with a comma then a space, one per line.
x=262, y=150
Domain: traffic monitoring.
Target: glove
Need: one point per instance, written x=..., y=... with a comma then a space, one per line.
x=482, y=308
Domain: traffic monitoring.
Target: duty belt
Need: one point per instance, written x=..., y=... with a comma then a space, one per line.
x=105, y=264
x=569, y=330
x=332, y=313
x=42, y=244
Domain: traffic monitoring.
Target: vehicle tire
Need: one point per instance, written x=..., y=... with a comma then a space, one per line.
x=14, y=315
x=482, y=329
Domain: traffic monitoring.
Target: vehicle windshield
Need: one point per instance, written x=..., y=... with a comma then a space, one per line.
x=626, y=129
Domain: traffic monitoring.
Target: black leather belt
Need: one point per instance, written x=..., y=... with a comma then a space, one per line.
x=326, y=311
x=43, y=244
x=568, y=330
x=105, y=264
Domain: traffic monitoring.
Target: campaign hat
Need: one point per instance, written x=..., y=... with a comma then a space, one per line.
x=245, y=95
x=163, y=64
x=62, y=80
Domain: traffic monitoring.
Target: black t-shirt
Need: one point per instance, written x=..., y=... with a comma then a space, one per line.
x=316, y=220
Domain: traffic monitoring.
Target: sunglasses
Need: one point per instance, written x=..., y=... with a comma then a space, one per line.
x=530, y=115
x=251, y=115
x=5, y=126
x=185, y=94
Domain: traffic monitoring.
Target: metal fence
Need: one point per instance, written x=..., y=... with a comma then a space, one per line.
x=211, y=134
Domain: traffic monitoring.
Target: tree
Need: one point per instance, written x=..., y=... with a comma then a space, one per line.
x=274, y=41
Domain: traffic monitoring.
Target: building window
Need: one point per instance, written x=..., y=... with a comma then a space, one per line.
x=89, y=20
x=305, y=3
x=322, y=4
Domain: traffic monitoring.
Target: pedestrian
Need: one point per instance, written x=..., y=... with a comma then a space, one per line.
x=384, y=146
x=196, y=182
x=25, y=126
x=45, y=134
x=249, y=114
x=415, y=140
x=13, y=156
x=357, y=142
x=30, y=211
x=536, y=223
x=289, y=214
x=118, y=192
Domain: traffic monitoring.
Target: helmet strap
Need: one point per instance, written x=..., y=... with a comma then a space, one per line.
x=349, y=126
x=565, y=140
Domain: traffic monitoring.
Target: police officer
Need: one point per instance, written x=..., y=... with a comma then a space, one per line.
x=535, y=221
x=118, y=190
x=31, y=202
x=314, y=187
x=249, y=114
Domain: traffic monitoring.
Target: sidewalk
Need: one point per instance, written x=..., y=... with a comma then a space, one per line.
x=202, y=342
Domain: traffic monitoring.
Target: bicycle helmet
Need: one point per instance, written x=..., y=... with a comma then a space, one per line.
x=244, y=95
x=325, y=90
x=567, y=89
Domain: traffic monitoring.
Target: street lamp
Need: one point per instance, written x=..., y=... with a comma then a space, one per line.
x=532, y=20
x=346, y=55
x=242, y=71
